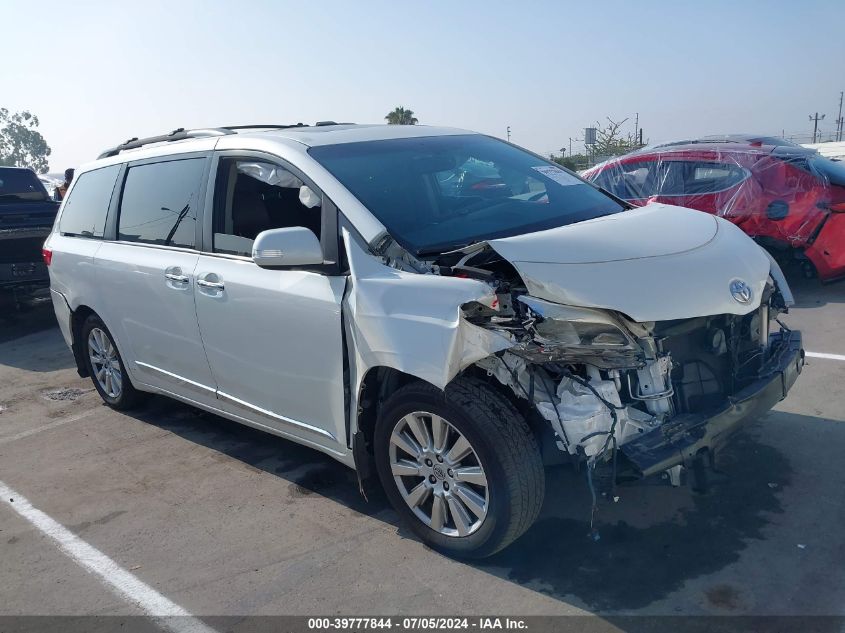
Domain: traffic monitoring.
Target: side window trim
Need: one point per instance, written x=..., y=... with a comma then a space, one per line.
x=117, y=197
x=116, y=194
x=329, y=232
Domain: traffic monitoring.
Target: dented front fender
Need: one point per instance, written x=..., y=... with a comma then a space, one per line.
x=412, y=322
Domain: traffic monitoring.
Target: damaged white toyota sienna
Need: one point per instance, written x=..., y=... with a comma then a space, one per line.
x=443, y=305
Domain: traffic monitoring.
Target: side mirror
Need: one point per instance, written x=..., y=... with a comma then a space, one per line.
x=290, y=246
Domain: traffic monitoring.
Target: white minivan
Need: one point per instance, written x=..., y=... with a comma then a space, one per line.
x=442, y=305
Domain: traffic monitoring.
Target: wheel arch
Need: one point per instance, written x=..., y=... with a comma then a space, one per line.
x=78, y=317
x=380, y=381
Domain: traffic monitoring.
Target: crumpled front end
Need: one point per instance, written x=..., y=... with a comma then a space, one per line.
x=663, y=392
x=629, y=327
x=660, y=391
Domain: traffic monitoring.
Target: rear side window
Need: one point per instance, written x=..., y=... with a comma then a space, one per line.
x=87, y=204
x=159, y=203
x=689, y=178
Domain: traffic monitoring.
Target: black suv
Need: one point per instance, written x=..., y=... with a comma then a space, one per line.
x=26, y=217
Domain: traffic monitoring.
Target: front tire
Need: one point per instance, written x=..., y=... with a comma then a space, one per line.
x=461, y=467
x=105, y=366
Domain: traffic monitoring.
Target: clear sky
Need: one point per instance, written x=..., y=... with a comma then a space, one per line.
x=97, y=73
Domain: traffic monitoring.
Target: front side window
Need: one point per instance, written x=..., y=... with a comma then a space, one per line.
x=159, y=203
x=252, y=196
x=441, y=192
x=21, y=185
x=629, y=180
x=87, y=204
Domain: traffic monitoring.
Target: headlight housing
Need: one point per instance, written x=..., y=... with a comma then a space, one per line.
x=581, y=333
x=569, y=326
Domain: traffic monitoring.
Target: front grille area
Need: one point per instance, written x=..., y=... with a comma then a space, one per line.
x=712, y=358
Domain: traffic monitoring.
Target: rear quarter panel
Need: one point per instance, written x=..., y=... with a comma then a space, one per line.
x=72, y=270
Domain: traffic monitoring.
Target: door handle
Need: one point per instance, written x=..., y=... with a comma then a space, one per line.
x=211, y=281
x=174, y=273
x=216, y=285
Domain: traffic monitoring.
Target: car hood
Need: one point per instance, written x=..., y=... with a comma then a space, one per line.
x=653, y=263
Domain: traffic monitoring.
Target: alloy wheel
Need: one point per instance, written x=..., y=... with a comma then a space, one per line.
x=105, y=363
x=438, y=473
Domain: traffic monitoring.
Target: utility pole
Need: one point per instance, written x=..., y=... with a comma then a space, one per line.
x=839, y=120
x=509, y=134
x=636, y=126
x=815, y=120
x=570, y=146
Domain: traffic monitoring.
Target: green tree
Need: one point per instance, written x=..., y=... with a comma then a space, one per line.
x=21, y=144
x=574, y=163
x=401, y=116
x=610, y=141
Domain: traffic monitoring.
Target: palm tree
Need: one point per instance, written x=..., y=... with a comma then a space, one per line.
x=401, y=116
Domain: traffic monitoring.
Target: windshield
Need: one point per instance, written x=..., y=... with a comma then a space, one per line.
x=437, y=193
x=21, y=184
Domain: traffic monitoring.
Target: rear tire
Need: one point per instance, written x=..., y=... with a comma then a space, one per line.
x=470, y=507
x=105, y=366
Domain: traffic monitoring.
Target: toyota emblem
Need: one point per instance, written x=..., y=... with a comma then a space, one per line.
x=741, y=291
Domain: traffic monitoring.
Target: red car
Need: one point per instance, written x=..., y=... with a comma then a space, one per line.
x=789, y=198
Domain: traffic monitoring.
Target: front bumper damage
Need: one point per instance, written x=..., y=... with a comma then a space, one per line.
x=687, y=437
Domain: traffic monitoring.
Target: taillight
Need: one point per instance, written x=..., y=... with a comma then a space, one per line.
x=47, y=255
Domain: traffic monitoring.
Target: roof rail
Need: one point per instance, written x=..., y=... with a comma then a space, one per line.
x=282, y=127
x=182, y=134
x=272, y=126
x=176, y=135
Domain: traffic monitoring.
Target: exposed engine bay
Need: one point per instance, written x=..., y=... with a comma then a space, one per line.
x=597, y=377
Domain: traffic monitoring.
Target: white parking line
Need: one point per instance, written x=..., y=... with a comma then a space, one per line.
x=165, y=613
x=46, y=427
x=824, y=355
